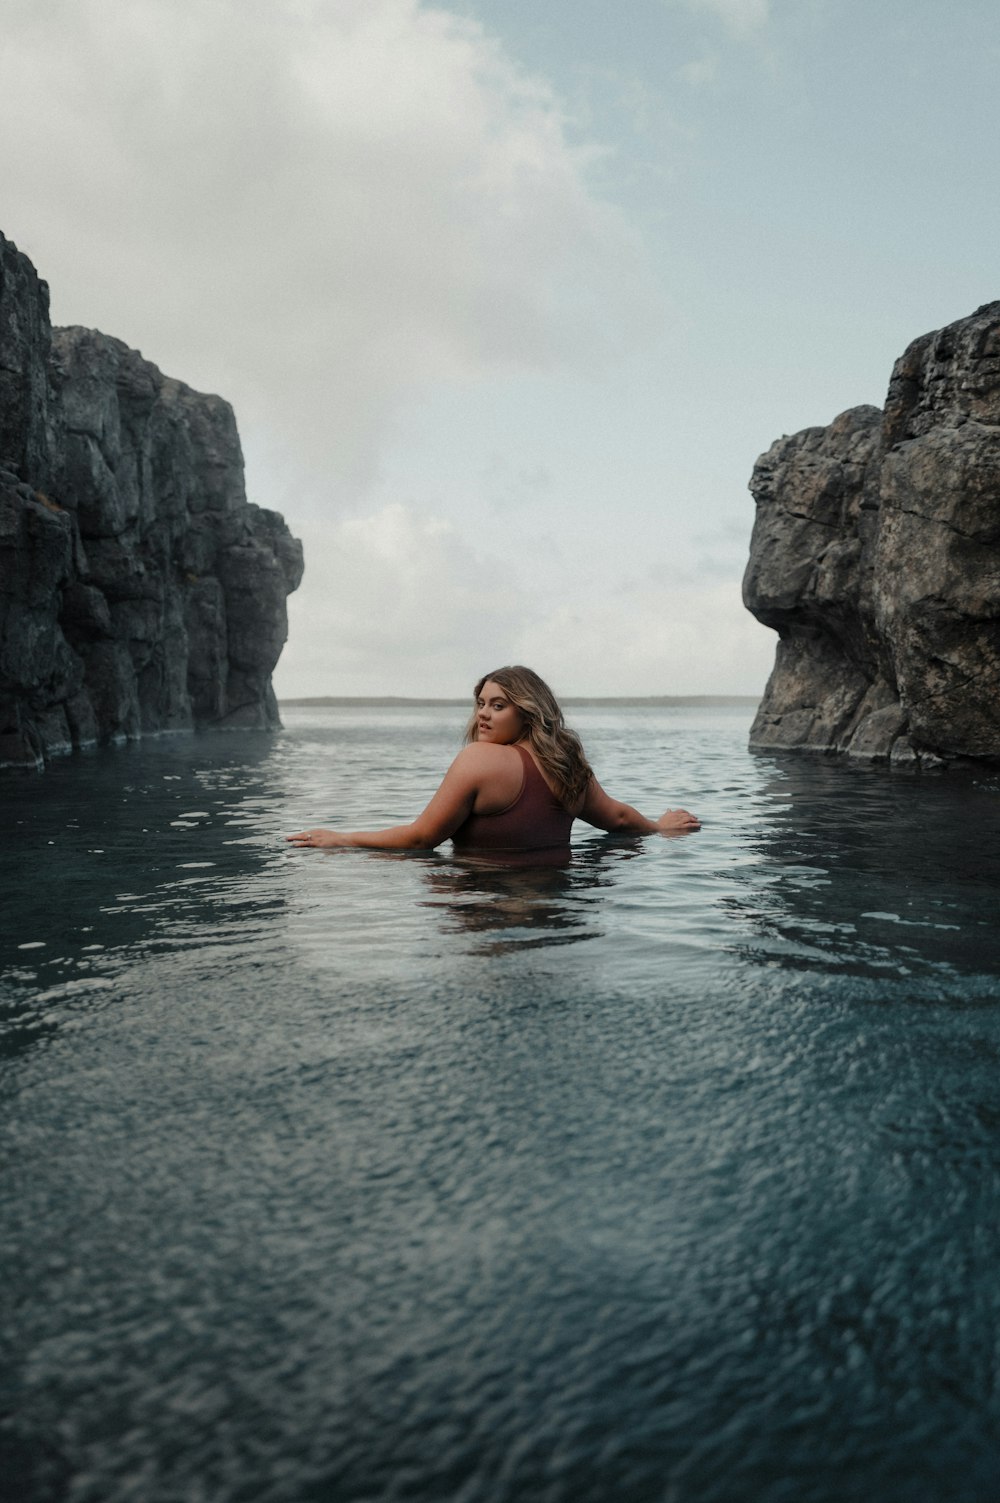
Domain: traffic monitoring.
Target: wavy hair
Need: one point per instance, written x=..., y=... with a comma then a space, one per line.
x=559, y=750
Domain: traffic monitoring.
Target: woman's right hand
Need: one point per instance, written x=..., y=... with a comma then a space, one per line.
x=677, y=822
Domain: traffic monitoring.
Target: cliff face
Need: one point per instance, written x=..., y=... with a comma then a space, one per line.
x=876, y=557
x=139, y=590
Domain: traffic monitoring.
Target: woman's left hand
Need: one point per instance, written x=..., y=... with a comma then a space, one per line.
x=317, y=838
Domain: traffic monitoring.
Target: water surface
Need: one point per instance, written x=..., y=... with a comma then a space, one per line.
x=668, y=1174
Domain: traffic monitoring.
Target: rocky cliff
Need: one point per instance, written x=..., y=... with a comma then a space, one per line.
x=876, y=557
x=139, y=590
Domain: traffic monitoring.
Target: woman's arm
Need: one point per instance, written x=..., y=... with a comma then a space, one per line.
x=607, y=813
x=450, y=807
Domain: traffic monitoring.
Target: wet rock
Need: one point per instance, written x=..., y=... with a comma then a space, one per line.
x=139, y=590
x=876, y=557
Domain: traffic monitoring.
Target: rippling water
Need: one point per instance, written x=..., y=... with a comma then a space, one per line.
x=670, y=1174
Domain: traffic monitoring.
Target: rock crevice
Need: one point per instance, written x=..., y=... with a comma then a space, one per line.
x=889, y=631
x=139, y=590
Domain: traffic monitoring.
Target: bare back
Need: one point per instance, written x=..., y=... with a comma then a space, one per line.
x=533, y=820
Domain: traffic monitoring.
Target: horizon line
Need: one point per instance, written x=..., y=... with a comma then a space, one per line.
x=319, y=700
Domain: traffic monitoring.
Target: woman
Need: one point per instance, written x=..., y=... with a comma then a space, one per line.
x=518, y=784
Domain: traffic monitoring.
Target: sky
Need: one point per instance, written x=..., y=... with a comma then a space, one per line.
x=509, y=295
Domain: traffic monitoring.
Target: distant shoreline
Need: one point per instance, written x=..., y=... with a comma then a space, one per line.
x=654, y=701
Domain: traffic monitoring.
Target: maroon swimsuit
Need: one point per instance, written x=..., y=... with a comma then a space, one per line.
x=535, y=819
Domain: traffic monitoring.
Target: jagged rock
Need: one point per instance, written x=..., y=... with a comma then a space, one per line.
x=876, y=557
x=139, y=590
x=24, y=383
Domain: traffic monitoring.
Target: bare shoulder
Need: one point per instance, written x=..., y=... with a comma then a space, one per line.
x=481, y=754
x=479, y=759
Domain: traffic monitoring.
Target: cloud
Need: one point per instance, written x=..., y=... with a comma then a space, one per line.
x=509, y=484
x=331, y=211
x=401, y=603
x=395, y=602
x=700, y=72
x=741, y=17
x=656, y=639
x=322, y=208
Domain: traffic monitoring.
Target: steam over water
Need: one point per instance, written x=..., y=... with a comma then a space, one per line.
x=667, y=1174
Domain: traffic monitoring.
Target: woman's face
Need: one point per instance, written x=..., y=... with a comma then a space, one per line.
x=497, y=719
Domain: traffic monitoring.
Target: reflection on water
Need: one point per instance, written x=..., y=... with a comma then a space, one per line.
x=667, y=1171
x=114, y=858
x=508, y=900
x=860, y=871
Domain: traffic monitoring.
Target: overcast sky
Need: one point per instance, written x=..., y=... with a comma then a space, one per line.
x=509, y=294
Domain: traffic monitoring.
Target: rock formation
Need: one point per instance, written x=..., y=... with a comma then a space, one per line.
x=139, y=590
x=876, y=557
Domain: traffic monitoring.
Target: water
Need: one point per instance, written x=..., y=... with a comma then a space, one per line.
x=670, y=1174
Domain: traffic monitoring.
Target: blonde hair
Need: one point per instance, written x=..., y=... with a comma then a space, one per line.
x=559, y=750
